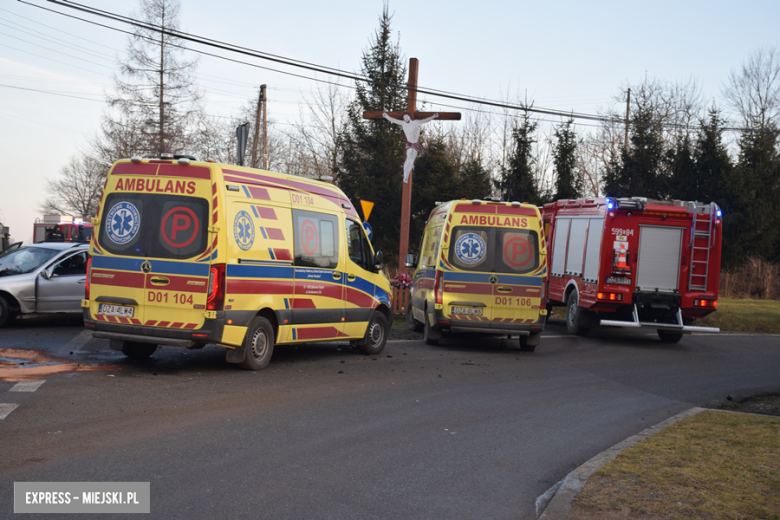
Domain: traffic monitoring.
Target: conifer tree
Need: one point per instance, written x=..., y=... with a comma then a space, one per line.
x=567, y=184
x=517, y=180
x=713, y=163
x=637, y=175
x=682, y=182
x=373, y=150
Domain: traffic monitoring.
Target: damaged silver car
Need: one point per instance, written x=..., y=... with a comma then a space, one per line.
x=42, y=279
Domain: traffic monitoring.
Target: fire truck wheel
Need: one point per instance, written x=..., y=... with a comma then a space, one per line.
x=529, y=343
x=411, y=323
x=376, y=335
x=430, y=335
x=669, y=337
x=4, y=312
x=136, y=350
x=575, y=318
x=259, y=345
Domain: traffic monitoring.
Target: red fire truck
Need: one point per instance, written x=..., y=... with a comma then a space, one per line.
x=73, y=230
x=633, y=262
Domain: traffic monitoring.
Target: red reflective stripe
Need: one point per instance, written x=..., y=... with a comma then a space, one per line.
x=266, y=213
x=150, y=323
x=243, y=286
x=474, y=208
x=283, y=254
x=134, y=169
x=191, y=172
x=163, y=323
x=275, y=234
x=359, y=298
x=302, y=303
x=119, y=278
x=516, y=210
x=319, y=332
x=177, y=325
x=191, y=326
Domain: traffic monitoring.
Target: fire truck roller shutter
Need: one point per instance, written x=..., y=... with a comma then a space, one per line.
x=576, y=250
x=592, y=250
x=559, y=246
x=659, y=258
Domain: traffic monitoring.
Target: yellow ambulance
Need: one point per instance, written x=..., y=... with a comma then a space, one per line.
x=190, y=253
x=481, y=268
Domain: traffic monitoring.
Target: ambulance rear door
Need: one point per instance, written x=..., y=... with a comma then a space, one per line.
x=153, y=246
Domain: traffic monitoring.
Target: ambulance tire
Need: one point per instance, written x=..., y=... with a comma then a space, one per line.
x=259, y=345
x=575, y=316
x=376, y=335
x=411, y=323
x=4, y=312
x=529, y=343
x=431, y=336
x=669, y=337
x=137, y=350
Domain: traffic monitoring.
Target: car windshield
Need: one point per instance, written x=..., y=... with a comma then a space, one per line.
x=25, y=260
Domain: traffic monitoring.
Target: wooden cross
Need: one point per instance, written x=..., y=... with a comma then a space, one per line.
x=406, y=201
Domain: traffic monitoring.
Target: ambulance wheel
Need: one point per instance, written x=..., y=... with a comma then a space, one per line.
x=376, y=335
x=4, y=312
x=529, y=343
x=259, y=345
x=411, y=323
x=136, y=350
x=575, y=319
x=431, y=336
x=669, y=337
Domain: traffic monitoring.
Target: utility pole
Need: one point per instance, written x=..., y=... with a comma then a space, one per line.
x=628, y=105
x=260, y=103
x=265, y=127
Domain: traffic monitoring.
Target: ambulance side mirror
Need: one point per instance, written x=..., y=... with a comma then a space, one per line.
x=411, y=260
x=379, y=262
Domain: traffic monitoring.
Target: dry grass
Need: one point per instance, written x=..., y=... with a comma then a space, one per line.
x=718, y=465
x=745, y=316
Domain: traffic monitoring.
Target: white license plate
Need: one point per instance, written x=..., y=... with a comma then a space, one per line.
x=115, y=310
x=473, y=311
x=619, y=281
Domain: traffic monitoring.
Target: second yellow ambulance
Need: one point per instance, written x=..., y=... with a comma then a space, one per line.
x=481, y=268
x=188, y=253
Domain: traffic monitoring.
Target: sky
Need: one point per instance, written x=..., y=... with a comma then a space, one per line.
x=570, y=56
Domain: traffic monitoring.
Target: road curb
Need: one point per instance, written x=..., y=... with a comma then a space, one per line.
x=556, y=502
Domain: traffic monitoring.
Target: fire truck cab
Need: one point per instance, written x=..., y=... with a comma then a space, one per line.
x=633, y=262
x=73, y=230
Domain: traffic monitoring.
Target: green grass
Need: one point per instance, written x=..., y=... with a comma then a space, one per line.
x=716, y=465
x=745, y=316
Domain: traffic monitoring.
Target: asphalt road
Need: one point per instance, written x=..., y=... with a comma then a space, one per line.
x=466, y=429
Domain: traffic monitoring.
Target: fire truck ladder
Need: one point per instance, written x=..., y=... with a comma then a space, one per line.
x=702, y=242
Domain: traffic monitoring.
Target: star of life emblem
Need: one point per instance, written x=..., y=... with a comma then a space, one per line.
x=123, y=223
x=244, y=230
x=470, y=248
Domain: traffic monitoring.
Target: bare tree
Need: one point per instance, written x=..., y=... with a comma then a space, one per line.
x=319, y=130
x=159, y=94
x=753, y=91
x=78, y=190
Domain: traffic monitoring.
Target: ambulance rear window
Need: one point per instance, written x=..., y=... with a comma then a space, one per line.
x=494, y=250
x=156, y=226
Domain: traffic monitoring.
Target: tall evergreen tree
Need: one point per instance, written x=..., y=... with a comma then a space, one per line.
x=475, y=182
x=517, y=179
x=638, y=174
x=373, y=151
x=682, y=181
x=751, y=202
x=567, y=184
x=713, y=163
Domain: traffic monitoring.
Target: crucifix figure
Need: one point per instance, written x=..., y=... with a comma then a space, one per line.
x=412, y=131
x=410, y=121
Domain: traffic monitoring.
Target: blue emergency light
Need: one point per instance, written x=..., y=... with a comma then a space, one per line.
x=719, y=213
x=610, y=204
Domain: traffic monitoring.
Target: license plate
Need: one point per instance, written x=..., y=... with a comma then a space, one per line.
x=619, y=281
x=115, y=310
x=472, y=311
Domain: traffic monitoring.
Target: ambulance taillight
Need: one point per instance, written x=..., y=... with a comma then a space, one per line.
x=89, y=277
x=216, y=293
x=437, y=291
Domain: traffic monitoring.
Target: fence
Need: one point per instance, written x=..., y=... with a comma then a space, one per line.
x=400, y=300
